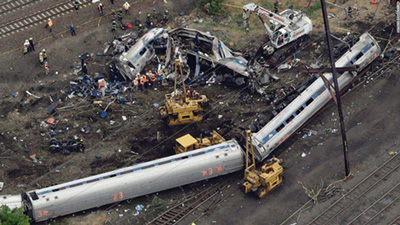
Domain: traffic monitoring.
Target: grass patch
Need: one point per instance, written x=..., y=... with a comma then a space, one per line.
x=314, y=11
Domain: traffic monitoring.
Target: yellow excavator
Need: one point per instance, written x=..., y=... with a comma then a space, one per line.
x=189, y=143
x=260, y=182
x=182, y=109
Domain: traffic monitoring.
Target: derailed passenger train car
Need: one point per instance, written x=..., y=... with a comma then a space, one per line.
x=134, y=181
x=312, y=99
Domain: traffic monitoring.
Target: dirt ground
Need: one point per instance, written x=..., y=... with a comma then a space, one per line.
x=370, y=115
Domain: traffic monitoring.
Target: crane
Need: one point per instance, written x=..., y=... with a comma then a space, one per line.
x=180, y=108
x=262, y=181
x=287, y=32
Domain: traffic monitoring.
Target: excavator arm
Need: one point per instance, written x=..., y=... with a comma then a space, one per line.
x=259, y=11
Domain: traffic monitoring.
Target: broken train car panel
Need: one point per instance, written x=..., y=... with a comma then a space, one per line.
x=142, y=52
x=312, y=99
x=210, y=54
x=137, y=180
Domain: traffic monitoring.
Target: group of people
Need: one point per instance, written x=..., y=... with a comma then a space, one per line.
x=148, y=79
x=29, y=46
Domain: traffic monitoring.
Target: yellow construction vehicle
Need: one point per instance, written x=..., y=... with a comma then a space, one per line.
x=189, y=143
x=180, y=108
x=260, y=181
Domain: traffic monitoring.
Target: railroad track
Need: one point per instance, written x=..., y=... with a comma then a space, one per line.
x=12, y=5
x=38, y=17
x=384, y=203
x=358, y=191
x=201, y=202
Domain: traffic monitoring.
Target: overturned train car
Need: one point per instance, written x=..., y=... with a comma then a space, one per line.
x=137, y=180
x=313, y=98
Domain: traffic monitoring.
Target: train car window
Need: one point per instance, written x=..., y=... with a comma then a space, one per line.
x=145, y=167
x=372, y=43
x=125, y=172
x=185, y=157
x=290, y=119
x=299, y=110
x=280, y=128
x=357, y=57
x=226, y=154
x=165, y=162
x=47, y=199
x=309, y=101
x=90, y=181
x=199, y=153
x=217, y=157
x=55, y=197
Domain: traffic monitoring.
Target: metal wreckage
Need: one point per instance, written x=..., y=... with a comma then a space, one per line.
x=204, y=57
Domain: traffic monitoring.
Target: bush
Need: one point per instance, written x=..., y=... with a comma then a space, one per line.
x=13, y=217
x=213, y=7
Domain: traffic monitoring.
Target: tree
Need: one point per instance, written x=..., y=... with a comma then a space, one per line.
x=213, y=7
x=13, y=216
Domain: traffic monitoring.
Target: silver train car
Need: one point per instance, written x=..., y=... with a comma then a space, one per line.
x=12, y=201
x=134, y=181
x=312, y=99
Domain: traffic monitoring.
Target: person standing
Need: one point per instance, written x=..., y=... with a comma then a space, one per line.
x=47, y=67
x=120, y=15
x=31, y=44
x=166, y=16
x=72, y=29
x=84, y=69
x=276, y=6
x=76, y=5
x=26, y=47
x=114, y=26
x=44, y=54
x=126, y=7
x=49, y=25
x=101, y=9
x=41, y=60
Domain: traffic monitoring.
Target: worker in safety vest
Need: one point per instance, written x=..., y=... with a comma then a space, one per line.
x=152, y=77
x=143, y=81
x=101, y=9
x=26, y=47
x=136, y=82
x=126, y=7
x=41, y=60
x=47, y=67
x=195, y=94
x=49, y=24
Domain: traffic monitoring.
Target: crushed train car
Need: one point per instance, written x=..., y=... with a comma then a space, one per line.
x=206, y=56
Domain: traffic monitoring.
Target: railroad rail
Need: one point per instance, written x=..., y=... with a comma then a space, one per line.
x=379, y=206
x=358, y=191
x=197, y=202
x=38, y=17
x=9, y=6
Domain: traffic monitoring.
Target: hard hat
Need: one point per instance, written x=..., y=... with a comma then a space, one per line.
x=44, y=50
x=148, y=15
x=166, y=10
x=140, y=25
x=30, y=39
x=48, y=19
x=100, y=4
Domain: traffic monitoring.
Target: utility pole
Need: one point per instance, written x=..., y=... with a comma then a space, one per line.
x=398, y=16
x=337, y=92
